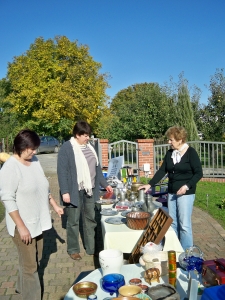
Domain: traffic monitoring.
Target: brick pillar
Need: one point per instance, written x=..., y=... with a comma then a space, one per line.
x=146, y=155
x=105, y=158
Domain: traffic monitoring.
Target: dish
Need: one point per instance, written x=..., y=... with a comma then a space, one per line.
x=135, y=281
x=109, y=212
x=85, y=288
x=129, y=290
x=116, y=221
x=105, y=202
x=162, y=291
x=125, y=212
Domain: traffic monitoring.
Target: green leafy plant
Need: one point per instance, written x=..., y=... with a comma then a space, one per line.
x=223, y=203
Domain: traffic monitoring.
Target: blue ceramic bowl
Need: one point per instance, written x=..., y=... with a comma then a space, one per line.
x=111, y=283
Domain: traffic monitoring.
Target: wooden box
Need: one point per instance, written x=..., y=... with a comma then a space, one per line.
x=155, y=232
x=213, y=272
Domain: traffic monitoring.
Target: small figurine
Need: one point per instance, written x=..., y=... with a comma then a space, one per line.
x=152, y=274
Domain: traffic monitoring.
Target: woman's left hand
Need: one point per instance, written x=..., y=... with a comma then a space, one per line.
x=109, y=189
x=59, y=210
x=182, y=190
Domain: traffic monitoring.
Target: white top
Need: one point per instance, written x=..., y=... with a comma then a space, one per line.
x=25, y=188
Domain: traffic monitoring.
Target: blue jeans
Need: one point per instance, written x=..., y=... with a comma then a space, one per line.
x=180, y=209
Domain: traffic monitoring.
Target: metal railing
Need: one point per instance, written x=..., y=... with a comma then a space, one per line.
x=211, y=154
x=127, y=149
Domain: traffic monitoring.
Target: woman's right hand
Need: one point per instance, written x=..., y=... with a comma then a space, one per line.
x=145, y=186
x=66, y=198
x=24, y=234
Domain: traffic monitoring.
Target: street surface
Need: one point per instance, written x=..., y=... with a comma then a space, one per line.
x=48, y=162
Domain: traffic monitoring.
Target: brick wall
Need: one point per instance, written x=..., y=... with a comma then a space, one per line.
x=104, y=145
x=214, y=179
x=146, y=155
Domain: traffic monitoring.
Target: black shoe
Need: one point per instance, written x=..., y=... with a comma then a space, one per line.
x=17, y=292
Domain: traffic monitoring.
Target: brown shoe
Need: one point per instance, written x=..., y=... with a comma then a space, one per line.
x=75, y=256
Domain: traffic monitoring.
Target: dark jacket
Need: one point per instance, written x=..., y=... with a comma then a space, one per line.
x=67, y=176
x=187, y=172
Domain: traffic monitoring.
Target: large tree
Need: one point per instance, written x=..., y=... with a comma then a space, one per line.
x=9, y=122
x=55, y=83
x=184, y=112
x=139, y=111
x=213, y=114
x=185, y=100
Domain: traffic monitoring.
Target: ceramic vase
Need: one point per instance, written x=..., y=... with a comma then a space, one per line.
x=111, y=261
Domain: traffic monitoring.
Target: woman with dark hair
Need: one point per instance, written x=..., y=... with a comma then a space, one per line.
x=79, y=176
x=24, y=190
x=184, y=170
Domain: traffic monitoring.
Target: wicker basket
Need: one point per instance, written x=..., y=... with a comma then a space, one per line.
x=138, y=220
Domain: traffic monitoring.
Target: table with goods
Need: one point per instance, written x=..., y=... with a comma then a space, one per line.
x=137, y=271
x=192, y=278
x=121, y=231
x=133, y=223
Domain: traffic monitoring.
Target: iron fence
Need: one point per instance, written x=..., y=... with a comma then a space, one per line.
x=127, y=149
x=211, y=154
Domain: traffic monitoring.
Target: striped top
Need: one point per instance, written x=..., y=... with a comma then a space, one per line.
x=25, y=188
x=91, y=161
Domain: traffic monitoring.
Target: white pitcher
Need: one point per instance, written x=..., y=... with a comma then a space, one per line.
x=111, y=261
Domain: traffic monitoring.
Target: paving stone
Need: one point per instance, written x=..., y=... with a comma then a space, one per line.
x=2, y=291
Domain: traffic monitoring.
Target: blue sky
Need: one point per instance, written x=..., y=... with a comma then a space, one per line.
x=135, y=40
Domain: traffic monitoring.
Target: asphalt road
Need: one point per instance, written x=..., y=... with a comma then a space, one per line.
x=48, y=162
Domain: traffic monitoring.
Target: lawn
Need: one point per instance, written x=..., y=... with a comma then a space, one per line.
x=209, y=196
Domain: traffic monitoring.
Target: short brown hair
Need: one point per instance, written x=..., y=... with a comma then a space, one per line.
x=178, y=133
x=25, y=139
x=81, y=127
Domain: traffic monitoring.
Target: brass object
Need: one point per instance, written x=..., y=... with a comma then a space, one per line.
x=135, y=186
x=85, y=288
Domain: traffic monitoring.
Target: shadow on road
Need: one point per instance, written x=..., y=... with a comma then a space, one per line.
x=50, y=246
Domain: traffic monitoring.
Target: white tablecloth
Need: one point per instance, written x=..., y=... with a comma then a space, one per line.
x=129, y=272
x=123, y=238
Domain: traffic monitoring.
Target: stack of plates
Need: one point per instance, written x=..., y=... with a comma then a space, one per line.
x=109, y=212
